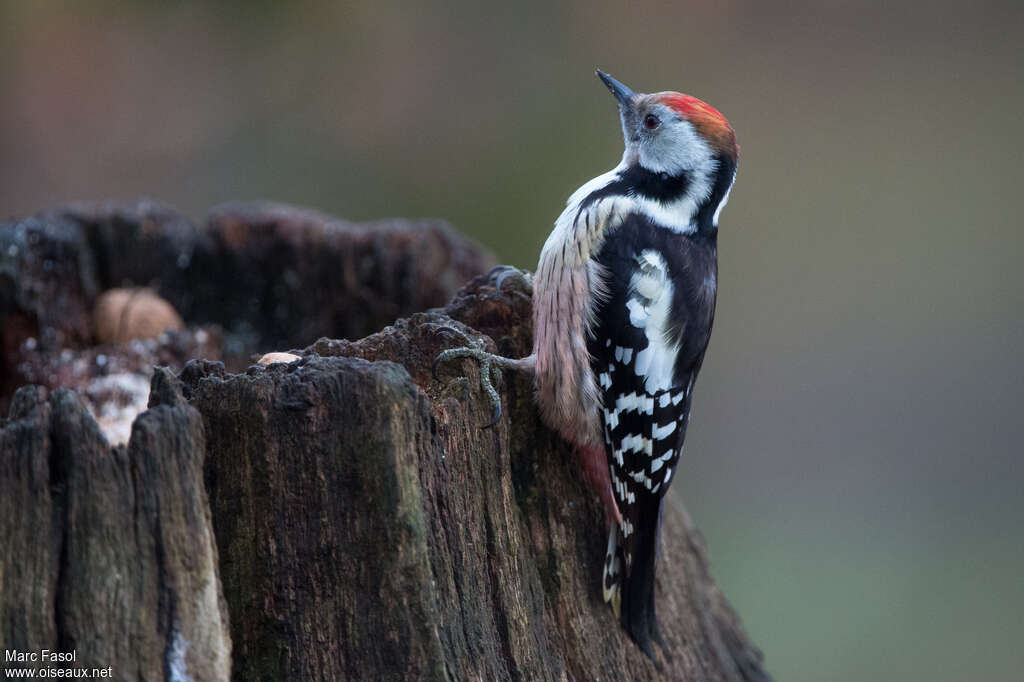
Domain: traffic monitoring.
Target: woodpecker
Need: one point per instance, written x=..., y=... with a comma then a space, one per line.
x=623, y=305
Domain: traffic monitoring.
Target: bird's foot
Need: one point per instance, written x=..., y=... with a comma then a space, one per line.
x=521, y=281
x=490, y=368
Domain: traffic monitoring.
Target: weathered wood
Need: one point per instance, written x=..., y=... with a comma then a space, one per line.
x=108, y=551
x=361, y=524
x=272, y=274
x=369, y=528
x=257, y=276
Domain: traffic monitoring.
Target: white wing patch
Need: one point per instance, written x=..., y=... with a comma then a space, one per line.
x=637, y=313
x=649, y=305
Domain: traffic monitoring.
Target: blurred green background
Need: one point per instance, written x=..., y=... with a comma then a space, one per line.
x=855, y=456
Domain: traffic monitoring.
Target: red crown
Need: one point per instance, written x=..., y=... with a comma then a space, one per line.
x=708, y=121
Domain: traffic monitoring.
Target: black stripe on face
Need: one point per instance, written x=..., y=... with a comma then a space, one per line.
x=723, y=181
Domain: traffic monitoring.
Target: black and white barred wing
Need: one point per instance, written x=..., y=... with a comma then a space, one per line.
x=645, y=401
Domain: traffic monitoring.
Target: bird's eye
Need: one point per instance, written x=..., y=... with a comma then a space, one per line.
x=651, y=121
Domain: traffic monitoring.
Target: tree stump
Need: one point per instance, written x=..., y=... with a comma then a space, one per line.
x=361, y=523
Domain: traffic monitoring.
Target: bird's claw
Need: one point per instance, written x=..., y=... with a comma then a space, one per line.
x=489, y=374
x=445, y=356
x=500, y=273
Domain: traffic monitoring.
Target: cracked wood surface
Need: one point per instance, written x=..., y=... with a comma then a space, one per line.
x=356, y=519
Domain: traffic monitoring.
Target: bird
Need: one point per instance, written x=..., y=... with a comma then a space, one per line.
x=624, y=299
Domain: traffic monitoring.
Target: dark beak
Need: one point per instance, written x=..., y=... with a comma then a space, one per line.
x=621, y=92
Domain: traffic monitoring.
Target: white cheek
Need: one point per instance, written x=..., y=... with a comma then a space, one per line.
x=677, y=148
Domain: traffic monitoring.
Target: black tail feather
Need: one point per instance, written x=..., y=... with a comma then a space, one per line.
x=639, y=616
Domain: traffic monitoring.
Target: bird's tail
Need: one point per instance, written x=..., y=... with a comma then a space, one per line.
x=630, y=573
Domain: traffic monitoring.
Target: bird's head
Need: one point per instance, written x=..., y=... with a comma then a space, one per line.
x=676, y=136
x=668, y=132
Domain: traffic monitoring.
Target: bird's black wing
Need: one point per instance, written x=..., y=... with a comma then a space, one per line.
x=645, y=361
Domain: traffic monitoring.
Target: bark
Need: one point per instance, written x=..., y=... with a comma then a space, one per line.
x=251, y=278
x=355, y=517
x=109, y=551
x=272, y=274
x=369, y=528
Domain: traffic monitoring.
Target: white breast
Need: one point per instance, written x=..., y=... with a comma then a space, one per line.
x=566, y=288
